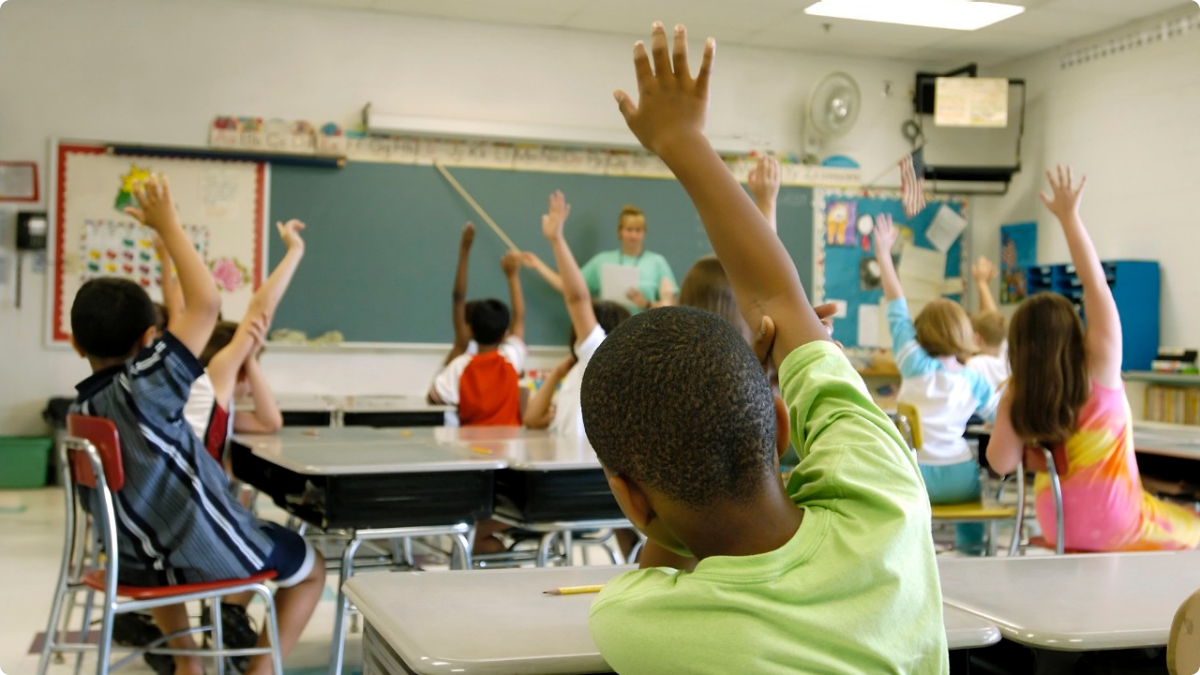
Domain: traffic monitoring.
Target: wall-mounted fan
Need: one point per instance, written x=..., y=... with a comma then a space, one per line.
x=833, y=108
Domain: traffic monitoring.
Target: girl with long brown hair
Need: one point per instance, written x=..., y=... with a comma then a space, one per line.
x=1066, y=394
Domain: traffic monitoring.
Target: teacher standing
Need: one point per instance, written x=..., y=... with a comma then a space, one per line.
x=656, y=285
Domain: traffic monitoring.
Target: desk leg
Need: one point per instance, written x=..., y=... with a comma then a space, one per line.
x=338, y=648
x=462, y=551
x=544, y=546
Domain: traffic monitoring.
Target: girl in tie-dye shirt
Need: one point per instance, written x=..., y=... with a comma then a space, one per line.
x=1066, y=394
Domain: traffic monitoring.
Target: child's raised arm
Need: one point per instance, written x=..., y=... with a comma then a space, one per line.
x=511, y=264
x=266, y=418
x=225, y=365
x=530, y=259
x=193, y=324
x=172, y=295
x=1103, y=339
x=668, y=119
x=885, y=239
x=763, y=182
x=458, y=311
x=575, y=290
x=984, y=273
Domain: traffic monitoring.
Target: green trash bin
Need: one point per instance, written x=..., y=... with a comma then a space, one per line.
x=24, y=461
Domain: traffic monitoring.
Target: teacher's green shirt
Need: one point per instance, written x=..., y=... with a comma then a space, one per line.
x=652, y=269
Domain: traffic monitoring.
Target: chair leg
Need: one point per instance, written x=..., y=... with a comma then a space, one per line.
x=85, y=629
x=273, y=627
x=462, y=549
x=544, y=546
x=568, y=546
x=338, y=648
x=52, y=625
x=217, y=633
x=104, y=649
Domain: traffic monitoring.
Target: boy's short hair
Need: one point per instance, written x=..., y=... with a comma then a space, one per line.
x=991, y=327
x=488, y=320
x=943, y=329
x=221, y=336
x=675, y=400
x=109, y=317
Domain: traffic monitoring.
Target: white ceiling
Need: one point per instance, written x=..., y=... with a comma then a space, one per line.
x=783, y=23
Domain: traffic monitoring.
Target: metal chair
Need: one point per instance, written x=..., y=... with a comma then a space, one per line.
x=908, y=422
x=91, y=458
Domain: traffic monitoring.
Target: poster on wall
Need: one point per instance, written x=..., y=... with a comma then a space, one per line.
x=1018, y=252
x=929, y=255
x=220, y=205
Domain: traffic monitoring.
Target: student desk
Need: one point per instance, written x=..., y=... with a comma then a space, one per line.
x=309, y=410
x=1168, y=440
x=500, y=622
x=553, y=486
x=1075, y=603
x=377, y=485
x=395, y=411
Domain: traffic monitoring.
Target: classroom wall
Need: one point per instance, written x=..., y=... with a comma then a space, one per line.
x=1129, y=122
x=157, y=71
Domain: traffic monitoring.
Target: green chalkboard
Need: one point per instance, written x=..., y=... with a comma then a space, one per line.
x=383, y=242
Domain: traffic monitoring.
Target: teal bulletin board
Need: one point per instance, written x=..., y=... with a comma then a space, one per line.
x=382, y=242
x=839, y=264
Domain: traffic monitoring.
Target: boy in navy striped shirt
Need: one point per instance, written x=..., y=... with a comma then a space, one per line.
x=176, y=520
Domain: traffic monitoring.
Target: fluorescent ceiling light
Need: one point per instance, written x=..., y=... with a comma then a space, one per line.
x=952, y=14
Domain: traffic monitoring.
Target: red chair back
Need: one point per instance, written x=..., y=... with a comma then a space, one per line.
x=101, y=433
x=1036, y=461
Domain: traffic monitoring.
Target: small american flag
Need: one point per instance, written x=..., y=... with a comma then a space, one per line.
x=912, y=182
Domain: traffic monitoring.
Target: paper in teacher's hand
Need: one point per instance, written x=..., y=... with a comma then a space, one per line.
x=615, y=282
x=945, y=228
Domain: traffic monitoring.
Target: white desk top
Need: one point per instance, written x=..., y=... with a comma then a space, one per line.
x=499, y=622
x=305, y=403
x=542, y=453
x=355, y=450
x=1172, y=440
x=1075, y=602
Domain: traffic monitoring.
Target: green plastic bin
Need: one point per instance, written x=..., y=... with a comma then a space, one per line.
x=24, y=461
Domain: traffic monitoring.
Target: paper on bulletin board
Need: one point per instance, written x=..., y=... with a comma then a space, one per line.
x=615, y=282
x=947, y=225
x=922, y=264
x=868, y=326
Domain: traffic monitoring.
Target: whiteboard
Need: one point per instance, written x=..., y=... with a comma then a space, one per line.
x=221, y=206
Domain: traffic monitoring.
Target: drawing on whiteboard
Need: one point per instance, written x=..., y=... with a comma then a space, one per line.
x=125, y=196
x=229, y=274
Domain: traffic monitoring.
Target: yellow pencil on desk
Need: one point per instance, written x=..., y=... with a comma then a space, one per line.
x=575, y=590
x=480, y=450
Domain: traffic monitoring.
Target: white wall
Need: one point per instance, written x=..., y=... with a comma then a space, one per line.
x=1130, y=123
x=157, y=71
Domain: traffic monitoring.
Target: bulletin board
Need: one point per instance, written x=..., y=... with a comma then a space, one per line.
x=841, y=253
x=221, y=205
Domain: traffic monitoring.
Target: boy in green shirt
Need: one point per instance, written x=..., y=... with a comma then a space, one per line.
x=835, y=573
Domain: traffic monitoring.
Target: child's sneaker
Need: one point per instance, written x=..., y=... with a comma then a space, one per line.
x=138, y=630
x=237, y=633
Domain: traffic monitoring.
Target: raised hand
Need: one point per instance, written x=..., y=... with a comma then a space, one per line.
x=764, y=178
x=556, y=214
x=156, y=208
x=290, y=233
x=468, y=237
x=885, y=234
x=671, y=105
x=637, y=298
x=983, y=271
x=1065, y=195
x=510, y=262
x=257, y=328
